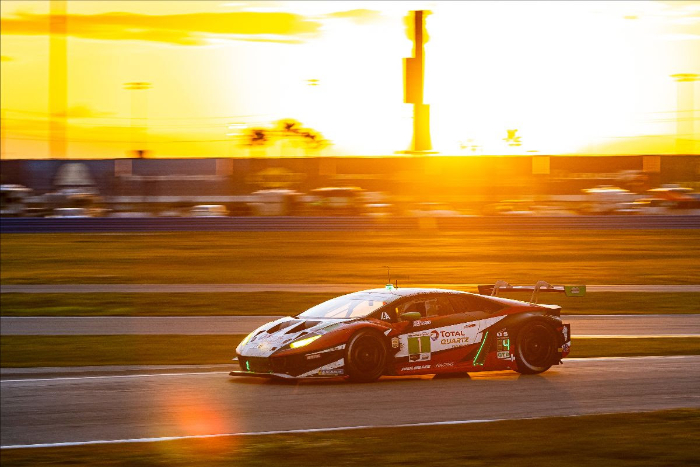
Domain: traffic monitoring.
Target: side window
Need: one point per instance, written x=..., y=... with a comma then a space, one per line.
x=467, y=302
x=439, y=306
x=410, y=306
x=426, y=306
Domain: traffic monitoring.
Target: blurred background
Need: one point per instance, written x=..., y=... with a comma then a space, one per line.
x=219, y=108
x=175, y=173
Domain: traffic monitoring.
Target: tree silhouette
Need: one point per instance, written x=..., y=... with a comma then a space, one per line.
x=287, y=130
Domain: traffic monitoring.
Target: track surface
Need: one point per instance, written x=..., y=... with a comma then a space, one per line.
x=147, y=406
x=308, y=288
x=628, y=325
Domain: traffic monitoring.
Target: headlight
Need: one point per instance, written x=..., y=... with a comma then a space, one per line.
x=303, y=342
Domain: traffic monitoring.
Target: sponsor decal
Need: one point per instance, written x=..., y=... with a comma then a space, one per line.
x=421, y=357
x=385, y=316
x=340, y=347
x=421, y=322
x=470, y=325
x=417, y=367
x=566, y=347
x=452, y=334
x=419, y=348
x=565, y=331
x=455, y=340
x=503, y=354
x=395, y=343
x=445, y=365
x=434, y=335
x=503, y=344
x=331, y=372
x=313, y=356
x=453, y=337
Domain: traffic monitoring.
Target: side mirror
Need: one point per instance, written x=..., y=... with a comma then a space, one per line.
x=410, y=316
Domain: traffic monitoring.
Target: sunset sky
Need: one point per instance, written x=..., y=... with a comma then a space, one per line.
x=571, y=77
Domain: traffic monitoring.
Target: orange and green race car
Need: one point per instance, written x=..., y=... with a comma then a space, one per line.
x=408, y=331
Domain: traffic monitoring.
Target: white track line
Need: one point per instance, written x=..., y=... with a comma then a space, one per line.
x=638, y=357
x=202, y=373
x=249, y=433
x=291, y=432
x=74, y=378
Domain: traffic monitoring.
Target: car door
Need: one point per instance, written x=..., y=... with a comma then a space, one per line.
x=419, y=340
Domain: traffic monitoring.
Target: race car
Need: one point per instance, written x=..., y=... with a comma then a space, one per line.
x=411, y=331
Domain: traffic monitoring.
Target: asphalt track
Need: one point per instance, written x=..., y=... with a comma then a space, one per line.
x=581, y=325
x=150, y=405
x=305, y=288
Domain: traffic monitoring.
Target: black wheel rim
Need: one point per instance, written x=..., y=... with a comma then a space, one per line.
x=366, y=354
x=536, y=346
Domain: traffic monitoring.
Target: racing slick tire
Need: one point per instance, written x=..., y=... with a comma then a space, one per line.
x=535, y=348
x=365, y=357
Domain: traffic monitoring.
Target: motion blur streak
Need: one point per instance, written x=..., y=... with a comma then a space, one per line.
x=74, y=378
x=260, y=433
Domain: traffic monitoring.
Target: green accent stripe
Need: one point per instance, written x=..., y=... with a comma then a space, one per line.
x=483, y=341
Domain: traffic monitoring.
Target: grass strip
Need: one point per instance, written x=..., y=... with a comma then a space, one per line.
x=661, y=438
x=160, y=304
x=638, y=347
x=289, y=303
x=478, y=256
x=37, y=351
x=58, y=351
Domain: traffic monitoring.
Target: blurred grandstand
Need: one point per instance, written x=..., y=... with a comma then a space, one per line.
x=536, y=185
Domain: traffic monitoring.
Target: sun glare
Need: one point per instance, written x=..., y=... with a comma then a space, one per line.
x=568, y=74
x=561, y=77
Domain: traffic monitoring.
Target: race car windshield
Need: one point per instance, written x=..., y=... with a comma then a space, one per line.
x=347, y=306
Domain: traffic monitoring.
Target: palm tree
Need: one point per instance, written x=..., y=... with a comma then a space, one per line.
x=287, y=130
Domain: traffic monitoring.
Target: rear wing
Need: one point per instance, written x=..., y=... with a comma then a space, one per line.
x=541, y=286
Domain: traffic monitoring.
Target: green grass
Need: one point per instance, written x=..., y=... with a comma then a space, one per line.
x=663, y=438
x=572, y=256
x=289, y=303
x=634, y=347
x=58, y=351
x=158, y=304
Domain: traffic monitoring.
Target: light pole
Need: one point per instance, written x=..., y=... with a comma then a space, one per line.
x=138, y=130
x=414, y=72
x=58, y=79
x=3, y=144
x=685, y=112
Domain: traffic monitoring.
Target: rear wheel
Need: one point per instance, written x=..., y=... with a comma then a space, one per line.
x=365, y=357
x=535, y=348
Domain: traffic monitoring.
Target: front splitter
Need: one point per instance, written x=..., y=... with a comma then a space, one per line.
x=279, y=375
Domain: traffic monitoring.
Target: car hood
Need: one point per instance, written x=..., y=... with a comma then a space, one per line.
x=271, y=337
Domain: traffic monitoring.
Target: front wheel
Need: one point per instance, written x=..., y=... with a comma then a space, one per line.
x=365, y=357
x=535, y=348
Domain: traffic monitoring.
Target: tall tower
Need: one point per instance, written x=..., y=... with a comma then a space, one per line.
x=686, y=137
x=58, y=79
x=139, y=117
x=414, y=72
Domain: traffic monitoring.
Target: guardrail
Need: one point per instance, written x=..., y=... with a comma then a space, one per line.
x=255, y=224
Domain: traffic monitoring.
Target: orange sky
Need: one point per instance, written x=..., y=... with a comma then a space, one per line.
x=572, y=77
